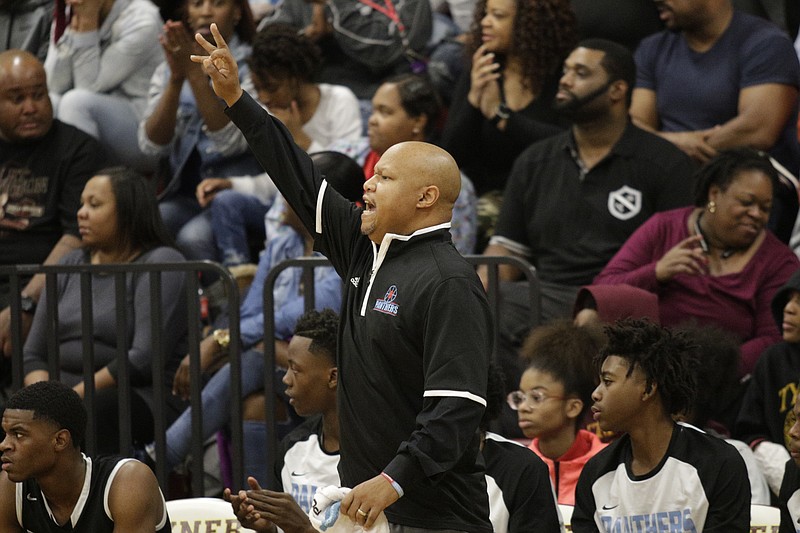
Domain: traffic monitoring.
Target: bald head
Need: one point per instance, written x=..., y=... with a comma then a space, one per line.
x=429, y=165
x=21, y=59
x=414, y=187
x=25, y=110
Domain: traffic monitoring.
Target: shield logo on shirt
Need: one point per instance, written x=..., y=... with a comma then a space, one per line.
x=624, y=203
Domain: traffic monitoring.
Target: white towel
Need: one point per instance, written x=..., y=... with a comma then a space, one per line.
x=324, y=513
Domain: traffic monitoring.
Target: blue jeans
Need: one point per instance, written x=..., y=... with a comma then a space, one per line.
x=191, y=227
x=234, y=216
x=112, y=120
x=216, y=405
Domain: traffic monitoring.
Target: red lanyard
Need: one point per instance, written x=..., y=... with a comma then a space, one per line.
x=388, y=10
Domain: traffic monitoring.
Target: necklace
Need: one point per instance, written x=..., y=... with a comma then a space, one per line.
x=704, y=243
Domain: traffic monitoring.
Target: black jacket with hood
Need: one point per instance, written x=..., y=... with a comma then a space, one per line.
x=771, y=392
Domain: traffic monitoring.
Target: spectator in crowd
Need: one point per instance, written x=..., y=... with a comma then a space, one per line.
x=719, y=395
x=415, y=332
x=503, y=102
x=99, y=67
x=520, y=494
x=406, y=108
x=363, y=43
x=308, y=456
x=25, y=25
x=658, y=468
x=44, y=165
x=554, y=397
x=717, y=79
x=573, y=199
x=716, y=262
x=64, y=489
x=283, y=66
x=119, y=223
x=185, y=122
x=345, y=177
x=789, y=497
x=770, y=394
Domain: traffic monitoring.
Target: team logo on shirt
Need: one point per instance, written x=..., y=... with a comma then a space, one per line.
x=386, y=304
x=624, y=203
x=679, y=521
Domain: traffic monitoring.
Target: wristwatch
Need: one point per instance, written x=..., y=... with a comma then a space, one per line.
x=503, y=112
x=27, y=304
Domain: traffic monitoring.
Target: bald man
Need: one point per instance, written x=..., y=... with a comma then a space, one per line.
x=415, y=332
x=44, y=165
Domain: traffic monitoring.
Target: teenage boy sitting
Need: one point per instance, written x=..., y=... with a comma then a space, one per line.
x=309, y=454
x=554, y=397
x=660, y=475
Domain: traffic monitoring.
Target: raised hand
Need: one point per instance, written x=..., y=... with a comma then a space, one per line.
x=484, y=91
x=220, y=66
x=178, y=47
x=686, y=257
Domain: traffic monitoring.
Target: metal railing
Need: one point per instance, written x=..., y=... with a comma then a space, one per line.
x=308, y=264
x=194, y=337
x=159, y=358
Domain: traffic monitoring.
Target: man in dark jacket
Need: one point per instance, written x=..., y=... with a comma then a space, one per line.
x=415, y=335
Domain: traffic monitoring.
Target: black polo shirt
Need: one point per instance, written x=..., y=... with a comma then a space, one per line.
x=568, y=221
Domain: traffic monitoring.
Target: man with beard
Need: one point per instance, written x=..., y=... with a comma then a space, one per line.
x=573, y=199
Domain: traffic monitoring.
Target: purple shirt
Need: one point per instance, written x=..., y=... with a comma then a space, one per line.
x=738, y=303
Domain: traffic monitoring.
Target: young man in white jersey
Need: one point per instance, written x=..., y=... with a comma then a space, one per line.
x=309, y=455
x=660, y=475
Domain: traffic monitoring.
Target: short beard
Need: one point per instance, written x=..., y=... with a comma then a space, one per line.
x=367, y=231
x=575, y=109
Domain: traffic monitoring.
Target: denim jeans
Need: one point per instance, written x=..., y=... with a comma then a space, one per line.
x=191, y=227
x=234, y=216
x=110, y=119
x=216, y=405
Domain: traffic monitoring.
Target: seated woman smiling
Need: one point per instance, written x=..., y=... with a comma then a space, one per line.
x=119, y=222
x=715, y=263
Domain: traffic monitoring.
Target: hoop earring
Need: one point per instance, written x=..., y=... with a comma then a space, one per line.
x=712, y=207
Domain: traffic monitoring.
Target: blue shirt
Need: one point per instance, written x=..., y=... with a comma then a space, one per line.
x=289, y=303
x=699, y=90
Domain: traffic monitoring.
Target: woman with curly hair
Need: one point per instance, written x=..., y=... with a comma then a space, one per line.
x=503, y=103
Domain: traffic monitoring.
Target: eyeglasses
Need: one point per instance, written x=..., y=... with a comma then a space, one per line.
x=535, y=397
